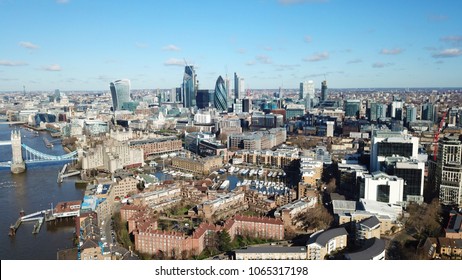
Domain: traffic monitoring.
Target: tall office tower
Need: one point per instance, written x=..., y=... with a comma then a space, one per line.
x=120, y=92
x=189, y=87
x=447, y=171
x=377, y=111
x=411, y=114
x=324, y=93
x=241, y=88
x=391, y=144
x=246, y=105
x=228, y=87
x=220, y=100
x=306, y=90
x=237, y=86
x=352, y=108
x=453, y=115
x=204, y=98
x=427, y=112
x=396, y=109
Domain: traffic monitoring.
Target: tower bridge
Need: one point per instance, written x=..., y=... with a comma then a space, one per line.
x=19, y=162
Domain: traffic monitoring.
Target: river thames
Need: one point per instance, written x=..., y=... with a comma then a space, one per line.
x=34, y=190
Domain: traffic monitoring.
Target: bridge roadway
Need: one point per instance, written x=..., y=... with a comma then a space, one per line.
x=5, y=122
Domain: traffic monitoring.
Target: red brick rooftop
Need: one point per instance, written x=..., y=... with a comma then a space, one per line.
x=265, y=220
x=67, y=206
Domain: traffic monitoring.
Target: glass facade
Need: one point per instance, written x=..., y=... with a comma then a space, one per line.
x=220, y=97
x=352, y=108
x=413, y=179
x=324, y=92
x=189, y=87
x=383, y=193
x=387, y=149
x=120, y=93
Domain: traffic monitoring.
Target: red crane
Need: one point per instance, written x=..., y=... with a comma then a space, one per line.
x=437, y=135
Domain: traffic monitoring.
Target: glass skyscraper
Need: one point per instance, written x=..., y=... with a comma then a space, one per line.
x=189, y=87
x=324, y=93
x=120, y=92
x=220, y=96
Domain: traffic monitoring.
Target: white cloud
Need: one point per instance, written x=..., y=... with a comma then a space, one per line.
x=381, y=65
x=391, y=51
x=308, y=39
x=62, y=1
x=12, y=63
x=241, y=51
x=174, y=62
x=317, y=57
x=448, y=53
x=171, y=48
x=52, y=67
x=250, y=63
x=451, y=38
x=355, y=61
x=264, y=59
x=28, y=45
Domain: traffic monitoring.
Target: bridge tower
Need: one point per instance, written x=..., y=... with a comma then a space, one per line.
x=17, y=162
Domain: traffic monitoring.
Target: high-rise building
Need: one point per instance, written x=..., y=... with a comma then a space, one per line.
x=241, y=88
x=377, y=111
x=411, y=114
x=307, y=93
x=324, y=92
x=246, y=105
x=204, y=98
x=396, y=111
x=228, y=87
x=427, y=112
x=448, y=171
x=237, y=86
x=352, y=108
x=220, y=100
x=189, y=87
x=391, y=143
x=120, y=92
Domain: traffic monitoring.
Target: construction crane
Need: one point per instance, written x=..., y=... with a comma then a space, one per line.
x=437, y=134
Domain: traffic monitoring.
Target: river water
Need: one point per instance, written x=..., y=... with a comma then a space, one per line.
x=34, y=190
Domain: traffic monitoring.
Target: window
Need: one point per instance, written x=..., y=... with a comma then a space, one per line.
x=383, y=193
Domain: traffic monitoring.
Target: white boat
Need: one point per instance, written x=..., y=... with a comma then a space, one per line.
x=270, y=174
x=224, y=185
x=260, y=172
x=252, y=172
x=231, y=169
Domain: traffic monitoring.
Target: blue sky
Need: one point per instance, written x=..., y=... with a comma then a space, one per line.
x=85, y=44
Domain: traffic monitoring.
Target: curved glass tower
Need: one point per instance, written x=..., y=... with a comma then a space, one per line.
x=220, y=100
x=189, y=87
x=120, y=92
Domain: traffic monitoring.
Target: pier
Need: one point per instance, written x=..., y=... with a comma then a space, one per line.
x=62, y=174
x=47, y=143
x=62, y=210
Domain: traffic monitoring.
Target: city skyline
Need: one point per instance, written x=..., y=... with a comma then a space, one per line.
x=84, y=45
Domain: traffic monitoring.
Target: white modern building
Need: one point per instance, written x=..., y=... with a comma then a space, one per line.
x=381, y=187
x=385, y=143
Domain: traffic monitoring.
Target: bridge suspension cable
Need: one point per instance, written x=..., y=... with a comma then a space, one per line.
x=42, y=156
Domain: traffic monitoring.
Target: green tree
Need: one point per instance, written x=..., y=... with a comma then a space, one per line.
x=224, y=241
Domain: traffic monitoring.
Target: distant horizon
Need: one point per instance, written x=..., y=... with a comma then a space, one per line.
x=270, y=43
x=269, y=89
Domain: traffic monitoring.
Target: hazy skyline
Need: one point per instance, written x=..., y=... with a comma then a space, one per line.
x=84, y=45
